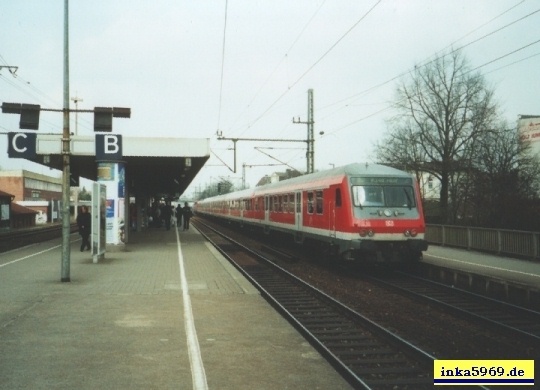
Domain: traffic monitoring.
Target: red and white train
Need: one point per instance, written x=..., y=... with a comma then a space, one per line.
x=363, y=212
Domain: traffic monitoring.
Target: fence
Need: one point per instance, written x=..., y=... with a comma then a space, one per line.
x=503, y=242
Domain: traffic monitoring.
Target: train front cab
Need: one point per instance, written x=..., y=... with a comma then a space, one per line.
x=388, y=216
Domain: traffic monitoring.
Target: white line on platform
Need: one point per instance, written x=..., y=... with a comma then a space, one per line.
x=486, y=266
x=198, y=374
x=32, y=255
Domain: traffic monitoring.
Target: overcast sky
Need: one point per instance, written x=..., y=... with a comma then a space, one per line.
x=188, y=68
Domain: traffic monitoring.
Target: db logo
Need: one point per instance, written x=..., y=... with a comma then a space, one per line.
x=389, y=223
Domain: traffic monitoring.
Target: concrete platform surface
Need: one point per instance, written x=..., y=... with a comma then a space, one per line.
x=523, y=272
x=129, y=322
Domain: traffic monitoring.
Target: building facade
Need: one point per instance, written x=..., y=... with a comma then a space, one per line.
x=30, y=186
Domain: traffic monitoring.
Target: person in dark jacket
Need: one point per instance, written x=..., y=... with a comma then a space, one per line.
x=84, y=222
x=166, y=213
x=179, y=215
x=186, y=215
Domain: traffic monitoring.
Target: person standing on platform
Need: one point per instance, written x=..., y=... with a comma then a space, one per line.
x=173, y=216
x=179, y=212
x=186, y=214
x=84, y=221
x=166, y=214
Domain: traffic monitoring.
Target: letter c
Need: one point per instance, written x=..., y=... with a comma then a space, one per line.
x=14, y=143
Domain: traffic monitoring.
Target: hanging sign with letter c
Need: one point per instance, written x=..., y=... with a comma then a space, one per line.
x=22, y=145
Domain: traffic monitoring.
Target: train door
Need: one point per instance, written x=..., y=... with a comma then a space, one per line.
x=298, y=211
x=332, y=218
x=266, y=208
x=242, y=207
x=333, y=206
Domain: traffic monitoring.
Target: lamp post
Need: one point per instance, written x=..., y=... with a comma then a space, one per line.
x=66, y=223
x=76, y=100
x=30, y=120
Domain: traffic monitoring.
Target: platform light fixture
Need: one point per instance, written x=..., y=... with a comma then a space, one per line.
x=103, y=117
x=29, y=114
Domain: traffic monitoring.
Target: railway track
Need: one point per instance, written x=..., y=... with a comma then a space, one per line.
x=368, y=355
x=435, y=327
x=17, y=238
x=506, y=317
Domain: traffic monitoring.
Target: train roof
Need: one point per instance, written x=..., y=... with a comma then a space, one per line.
x=317, y=180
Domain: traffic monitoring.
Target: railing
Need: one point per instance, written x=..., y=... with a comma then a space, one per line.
x=503, y=242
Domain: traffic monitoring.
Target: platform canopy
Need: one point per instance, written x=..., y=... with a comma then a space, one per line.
x=154, y=166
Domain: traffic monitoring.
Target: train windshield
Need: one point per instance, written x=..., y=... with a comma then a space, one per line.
x=383, y=196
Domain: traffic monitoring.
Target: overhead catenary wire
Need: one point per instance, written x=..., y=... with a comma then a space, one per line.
x=424, y=63
x=222, y=66
x=310, y=68
x=285, y=56
x=513, y=63
x=433, y=57
x=427, y=62
x=505, y=55
x=469, y=71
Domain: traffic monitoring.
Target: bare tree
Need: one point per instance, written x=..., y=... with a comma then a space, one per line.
x=506, y=182
x=442, y=110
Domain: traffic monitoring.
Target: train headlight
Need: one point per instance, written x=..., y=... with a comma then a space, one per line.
x=366, y=232
x=388, y=213
x=410, y=233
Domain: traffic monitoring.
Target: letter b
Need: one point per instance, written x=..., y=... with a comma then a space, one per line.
x=108, y=147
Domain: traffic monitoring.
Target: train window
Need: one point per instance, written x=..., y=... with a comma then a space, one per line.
x=310, y=207
x=291, y=203
x=298, y=202
x=276, y=204
x=366, y=196
x=286, y=204
x=266, y=201
x=319, y=196
x=398, y=196
x=280, y=203
x=338, y=197
x=383, y=196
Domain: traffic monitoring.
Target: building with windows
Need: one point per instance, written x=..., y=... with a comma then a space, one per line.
x=278, y=176
x=30, y=186
x=33, y=192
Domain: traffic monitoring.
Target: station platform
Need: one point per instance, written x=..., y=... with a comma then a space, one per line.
x=515, y=281
x=167, y=313
x=525, y=273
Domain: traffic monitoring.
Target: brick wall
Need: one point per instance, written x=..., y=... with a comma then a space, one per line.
x=13, y=185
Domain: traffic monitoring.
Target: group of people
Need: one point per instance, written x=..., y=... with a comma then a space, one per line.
x=168, y=215
x=186, y=214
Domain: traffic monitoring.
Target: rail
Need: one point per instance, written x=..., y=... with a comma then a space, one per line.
x=16, y=238
x=515, y=243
